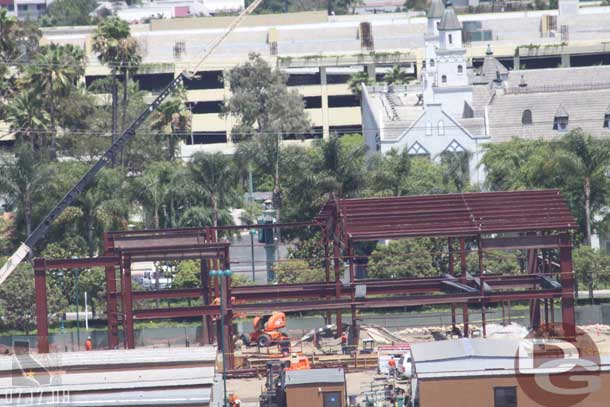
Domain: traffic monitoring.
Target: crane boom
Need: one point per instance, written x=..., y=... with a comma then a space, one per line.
x=26, y=247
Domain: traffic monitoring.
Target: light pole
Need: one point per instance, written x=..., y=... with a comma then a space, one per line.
x=219, y=274
x=77, y=274
x=252, y=232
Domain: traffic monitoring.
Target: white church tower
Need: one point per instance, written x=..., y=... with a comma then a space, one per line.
x=445, y=76
x=434, y=14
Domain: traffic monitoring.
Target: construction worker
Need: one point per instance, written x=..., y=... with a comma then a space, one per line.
x=344, y=344
x=234, y=401
x=392, y=366
x=88, y=344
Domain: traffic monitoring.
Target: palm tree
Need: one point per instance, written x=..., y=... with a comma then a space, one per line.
x=115, y=48
x=22, y=180
x=215, y=175
x=130, y=59
x=173, y=119
x=27, y=118
x=356, y=81
x=55, y=75
x=104, y=206
x=587, y=159
x=396, y=76
x=341, y=165
x=152, y=188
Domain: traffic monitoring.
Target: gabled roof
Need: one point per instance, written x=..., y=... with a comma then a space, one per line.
x=491, y=68
x=561, y=112
x=467, y=214
x=449, y=22
x=437, y=7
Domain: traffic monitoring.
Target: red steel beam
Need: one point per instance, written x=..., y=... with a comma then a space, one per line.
x=52, y=264
x=334, y=304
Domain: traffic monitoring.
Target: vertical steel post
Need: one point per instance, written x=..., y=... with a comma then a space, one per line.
x=328, y=316
x=352, y=279
x=567, y=286
x=42, y=323
x=464, y=280
x=227, y=326
x=111, y=296
x=205, y=299
x=451, y=271
x=482, y=288
x=532, y=268
x=127, y=303
x=337, y=258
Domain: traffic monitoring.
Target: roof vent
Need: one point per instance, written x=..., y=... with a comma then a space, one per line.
x=366, y=35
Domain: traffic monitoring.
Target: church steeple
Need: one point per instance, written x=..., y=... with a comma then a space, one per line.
x=434, y=14
x=450, y=29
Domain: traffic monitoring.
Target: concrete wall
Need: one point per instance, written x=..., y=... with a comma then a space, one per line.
x=310, y=396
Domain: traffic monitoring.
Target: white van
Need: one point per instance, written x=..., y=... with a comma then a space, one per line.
x=401, y=353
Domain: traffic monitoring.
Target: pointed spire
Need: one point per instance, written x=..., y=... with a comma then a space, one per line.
x=449, y=22
x=436, y=10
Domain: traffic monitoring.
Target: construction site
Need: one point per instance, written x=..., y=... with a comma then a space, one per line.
x=250, y=351
x=536, y=223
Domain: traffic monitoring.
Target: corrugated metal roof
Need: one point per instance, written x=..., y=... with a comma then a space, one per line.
x=476, y=357
x=112, y=358
x=313, y=376
x=182, y=397
x=112, y=380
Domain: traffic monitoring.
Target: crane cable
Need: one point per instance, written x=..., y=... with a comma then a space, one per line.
x=24, y=250
x=234, y=24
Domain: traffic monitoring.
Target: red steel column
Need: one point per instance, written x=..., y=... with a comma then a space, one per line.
x=328, y=316
x=42, y=323
x=567, y=286
x=205, y=299
x=337, y=258
x=464, y=268
x=532, y=263
x=451, y=271
x=228, y=325
x=111, y=297
x=128, y=331
x=482, y=292
x=352, y=279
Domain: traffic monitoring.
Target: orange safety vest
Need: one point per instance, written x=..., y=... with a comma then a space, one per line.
x=392, y=363
x=88, y=344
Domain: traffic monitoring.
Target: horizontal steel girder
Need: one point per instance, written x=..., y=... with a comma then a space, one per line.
x=340, y=304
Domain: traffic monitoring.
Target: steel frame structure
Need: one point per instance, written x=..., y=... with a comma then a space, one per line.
x=533, y=221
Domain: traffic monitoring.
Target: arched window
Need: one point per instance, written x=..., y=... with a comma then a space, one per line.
x=431, y=63
x=444, y=78
x=441, y=128
x=526, y=118
x=450, y=39
x=460, y=69
x=428, y=129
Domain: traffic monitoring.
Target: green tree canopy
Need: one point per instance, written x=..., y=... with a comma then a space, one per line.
x=261, y=103
x=69, y=13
